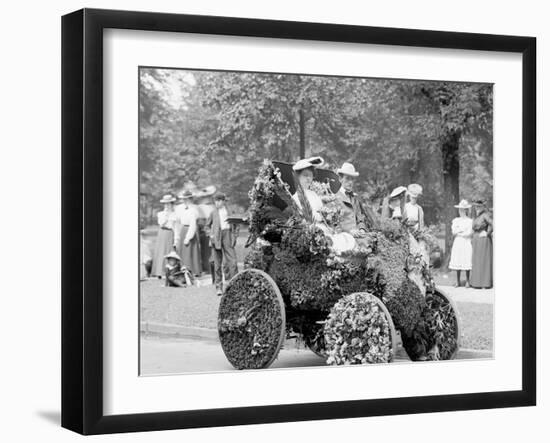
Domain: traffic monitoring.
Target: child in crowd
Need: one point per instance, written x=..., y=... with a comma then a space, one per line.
x=175, y=273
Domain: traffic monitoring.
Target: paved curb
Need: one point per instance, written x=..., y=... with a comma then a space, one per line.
x=169, y=329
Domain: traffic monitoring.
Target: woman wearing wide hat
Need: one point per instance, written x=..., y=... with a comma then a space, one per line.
x=167, y=219
x=461, y=252
x=187, y=235
x=304, y=197
x=482, y=247
x=393, y=207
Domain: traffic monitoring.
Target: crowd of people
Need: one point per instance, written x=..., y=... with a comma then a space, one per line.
x=196, y=234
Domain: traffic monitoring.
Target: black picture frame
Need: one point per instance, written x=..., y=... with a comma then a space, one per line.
x=82, y=220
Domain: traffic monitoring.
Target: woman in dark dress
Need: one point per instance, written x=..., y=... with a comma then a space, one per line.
x=482, y=247
x=187, y=235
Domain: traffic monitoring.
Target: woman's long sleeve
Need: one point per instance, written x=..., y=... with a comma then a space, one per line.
x=489, y=222
x=177, y=229
x=467, y=231
x=454, y=227
x=420, y=218
x=191, y=220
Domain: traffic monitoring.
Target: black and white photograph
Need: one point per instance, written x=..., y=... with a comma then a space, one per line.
x=292, y=220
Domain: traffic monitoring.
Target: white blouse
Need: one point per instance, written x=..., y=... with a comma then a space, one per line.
x=314, y=201
x=462, y=227
x=411, y=211
x=186, y=216
x=167, y=219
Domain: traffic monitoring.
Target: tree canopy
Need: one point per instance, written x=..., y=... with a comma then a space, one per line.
x=203, y=127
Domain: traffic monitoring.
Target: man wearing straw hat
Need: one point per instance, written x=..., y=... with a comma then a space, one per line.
x=355, y=216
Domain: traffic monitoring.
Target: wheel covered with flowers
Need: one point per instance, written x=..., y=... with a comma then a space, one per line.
x=251, y=320
x=358, y=330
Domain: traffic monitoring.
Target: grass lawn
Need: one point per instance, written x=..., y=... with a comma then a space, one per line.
x=198, y=307
x=477, y=325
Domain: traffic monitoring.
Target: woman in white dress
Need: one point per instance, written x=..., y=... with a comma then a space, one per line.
x=461, y=252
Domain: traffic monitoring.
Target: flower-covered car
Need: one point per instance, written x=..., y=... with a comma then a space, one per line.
x=348, y=307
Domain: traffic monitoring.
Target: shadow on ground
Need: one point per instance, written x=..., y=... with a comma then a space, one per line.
x=54, y=417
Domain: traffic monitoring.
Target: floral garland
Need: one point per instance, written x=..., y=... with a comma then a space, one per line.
x=357, y=331
x=392, y=229
x=305, y=240
x=331, y=211
x=260, y=256
x=262, y=212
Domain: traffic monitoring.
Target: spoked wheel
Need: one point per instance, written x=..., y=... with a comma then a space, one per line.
x=438, y=335
x=251, y=320
x=360, y=330
x=446, y=305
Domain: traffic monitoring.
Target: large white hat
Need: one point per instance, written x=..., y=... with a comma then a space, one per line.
x=311, y=162
x=206, y=192
x=398, y=191
x=348, y=169
x=168, y=198
x=414, y=190
x=463, y=204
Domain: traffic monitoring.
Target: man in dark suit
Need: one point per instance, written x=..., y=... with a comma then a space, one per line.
x=356, y=217
x=222, y=240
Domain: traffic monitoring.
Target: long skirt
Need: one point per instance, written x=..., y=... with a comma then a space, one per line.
x=163, y=246
x=206, y=252
x=482, y=262
x=190, y=254
x=461, y=254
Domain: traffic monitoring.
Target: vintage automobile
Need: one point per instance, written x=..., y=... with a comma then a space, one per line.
x=349, y=308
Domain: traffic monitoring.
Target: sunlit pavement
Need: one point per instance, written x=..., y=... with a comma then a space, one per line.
x=470, y=295
x=162, y=355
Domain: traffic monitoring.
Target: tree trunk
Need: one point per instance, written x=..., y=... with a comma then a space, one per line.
x=302, y=123
x=451, y=170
